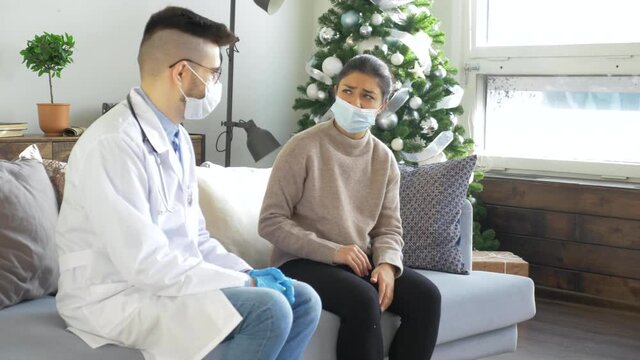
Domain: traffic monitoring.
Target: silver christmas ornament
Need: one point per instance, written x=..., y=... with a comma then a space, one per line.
x=397, y=59
x=326, y=34
x=321, y=95
x=376, y=19
x=349, y=19
x=397, y=144
x=387, y=121
x=440, y=72
x=412, y=115
x=429, y=126
x=365, y=30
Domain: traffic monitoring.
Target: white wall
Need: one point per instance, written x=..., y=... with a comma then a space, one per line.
x=273, y=50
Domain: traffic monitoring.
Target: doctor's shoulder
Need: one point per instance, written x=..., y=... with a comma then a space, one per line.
x=115, y=124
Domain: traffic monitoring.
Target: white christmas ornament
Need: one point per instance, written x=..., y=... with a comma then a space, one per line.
x=415, y=103
x=397, y=144
x=371, y=43
x=376, y=19
x=397, y=85
x=312, y=91
x=331, y=66
x=321, y=95
x=454, y=120
x=397, y=59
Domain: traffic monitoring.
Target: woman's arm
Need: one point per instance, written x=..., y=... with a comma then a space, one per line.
x=386, y=235
x=284, y=191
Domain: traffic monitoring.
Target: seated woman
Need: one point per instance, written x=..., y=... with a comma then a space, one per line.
x=332, y=211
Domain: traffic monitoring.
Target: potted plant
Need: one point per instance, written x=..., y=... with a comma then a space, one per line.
x=50, y=54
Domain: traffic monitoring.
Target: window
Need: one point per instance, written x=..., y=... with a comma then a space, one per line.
x=556, y=86
x=585, y=118
x=564, y=22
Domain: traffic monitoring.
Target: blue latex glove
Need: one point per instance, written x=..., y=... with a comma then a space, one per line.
x=273, y=278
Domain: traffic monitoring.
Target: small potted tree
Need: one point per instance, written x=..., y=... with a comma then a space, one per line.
x=50, y=54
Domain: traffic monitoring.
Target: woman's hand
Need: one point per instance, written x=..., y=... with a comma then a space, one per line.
x=355, y=258
x=385, y=276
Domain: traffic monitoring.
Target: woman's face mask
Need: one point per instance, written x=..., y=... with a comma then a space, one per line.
x=198, y=109
x=353, y=119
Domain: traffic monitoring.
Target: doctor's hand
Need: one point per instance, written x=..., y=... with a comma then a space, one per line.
x=355, y=258
x=385, y=276
x=273, y=278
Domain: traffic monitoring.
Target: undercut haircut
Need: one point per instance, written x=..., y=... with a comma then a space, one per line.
x=188, y=22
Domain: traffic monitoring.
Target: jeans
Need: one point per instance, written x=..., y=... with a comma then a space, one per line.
x=271, y=328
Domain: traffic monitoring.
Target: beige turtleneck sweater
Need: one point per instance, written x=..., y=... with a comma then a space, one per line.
x=328, y=190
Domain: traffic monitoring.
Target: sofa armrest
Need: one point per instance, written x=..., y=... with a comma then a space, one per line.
x=466, y=233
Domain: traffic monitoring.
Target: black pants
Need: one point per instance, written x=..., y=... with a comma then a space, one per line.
x=355, y=300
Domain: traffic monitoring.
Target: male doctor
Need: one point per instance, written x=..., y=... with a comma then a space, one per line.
x=138, y=267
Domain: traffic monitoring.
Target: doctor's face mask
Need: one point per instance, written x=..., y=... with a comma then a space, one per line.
x=198, y=109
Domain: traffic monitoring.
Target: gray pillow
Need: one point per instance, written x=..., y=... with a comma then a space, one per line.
x=28, y=215
x=431, y=198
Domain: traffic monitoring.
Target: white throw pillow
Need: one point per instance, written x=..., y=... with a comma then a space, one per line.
x=231, y=199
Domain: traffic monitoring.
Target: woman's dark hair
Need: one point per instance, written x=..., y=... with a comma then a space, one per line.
x=370, y=65
x=186, y=21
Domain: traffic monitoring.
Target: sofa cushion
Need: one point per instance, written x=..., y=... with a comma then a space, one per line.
x=231, y=199
x=431, y=199
x=34, y=330
x=481, y=302
x=28, y=215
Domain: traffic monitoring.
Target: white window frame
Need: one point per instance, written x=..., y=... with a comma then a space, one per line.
x=559, y=60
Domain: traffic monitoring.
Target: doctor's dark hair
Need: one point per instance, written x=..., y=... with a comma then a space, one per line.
x=372, y=66
x=188, y=22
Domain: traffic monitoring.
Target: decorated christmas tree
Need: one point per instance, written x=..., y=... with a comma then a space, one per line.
x=420, y=123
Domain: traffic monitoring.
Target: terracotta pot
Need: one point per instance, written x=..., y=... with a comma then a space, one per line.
x=53, y=118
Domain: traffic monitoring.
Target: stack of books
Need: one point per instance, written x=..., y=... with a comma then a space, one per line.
x=12, y=129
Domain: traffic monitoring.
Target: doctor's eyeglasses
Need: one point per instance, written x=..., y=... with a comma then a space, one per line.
x=215, y=72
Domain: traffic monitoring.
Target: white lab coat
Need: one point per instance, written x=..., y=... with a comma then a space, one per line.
x=134, y=273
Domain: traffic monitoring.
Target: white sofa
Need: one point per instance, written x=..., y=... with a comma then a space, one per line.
x=480, y=311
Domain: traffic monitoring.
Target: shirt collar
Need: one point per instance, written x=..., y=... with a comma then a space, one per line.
x=170, y=128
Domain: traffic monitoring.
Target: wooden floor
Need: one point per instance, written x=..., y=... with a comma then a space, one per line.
x=567, y=331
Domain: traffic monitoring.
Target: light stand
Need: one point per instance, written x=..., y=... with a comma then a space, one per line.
x=262, y=141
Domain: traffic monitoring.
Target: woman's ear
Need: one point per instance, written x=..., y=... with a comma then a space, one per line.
x=383, y=107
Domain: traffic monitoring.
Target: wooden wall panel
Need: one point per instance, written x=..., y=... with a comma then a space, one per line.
x=582, y=241
x=596, y=259
x=572, y=198
x=602, y=286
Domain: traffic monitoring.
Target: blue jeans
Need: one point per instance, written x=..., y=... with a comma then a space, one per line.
x=271, y=328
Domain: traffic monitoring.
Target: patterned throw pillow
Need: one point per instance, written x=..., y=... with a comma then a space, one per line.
x=431, y=198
